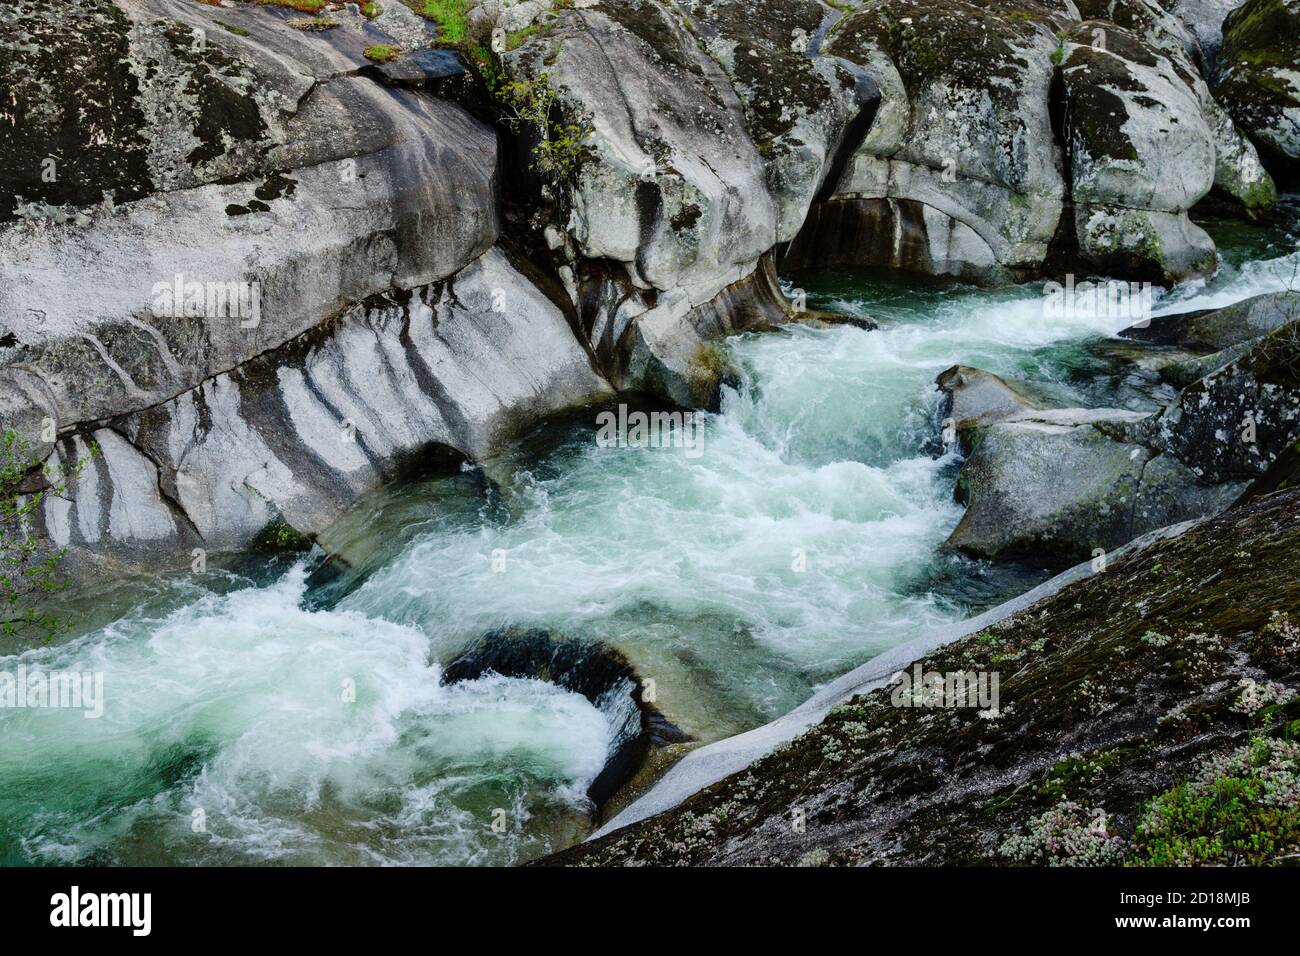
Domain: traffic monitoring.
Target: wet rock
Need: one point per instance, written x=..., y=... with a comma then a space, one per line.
x=1060, y=483
x=896, y=233
x=594, y=670
x=1210, y=330
x=974, y=398
x=423, y=68
x=1055, y=487
x=1258, y=78
x=1234, y=423
x=659, y=343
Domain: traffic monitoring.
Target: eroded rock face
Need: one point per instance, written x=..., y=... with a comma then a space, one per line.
x=341, y=224
x=1141, y=154
x=302, y=297
x=1204, y=20
x=993, y=115
x=298, y=434
x=709, y=131
x=964, y=127
x=131, y=306
x=1258, y=78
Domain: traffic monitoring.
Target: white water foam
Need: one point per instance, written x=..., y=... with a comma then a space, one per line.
x=300, y=736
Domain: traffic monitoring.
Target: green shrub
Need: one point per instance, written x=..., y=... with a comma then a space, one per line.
x=560, y=146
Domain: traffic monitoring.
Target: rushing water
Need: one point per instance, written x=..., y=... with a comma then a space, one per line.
x=251, y=716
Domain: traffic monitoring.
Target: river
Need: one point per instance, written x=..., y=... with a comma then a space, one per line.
x=253, y=715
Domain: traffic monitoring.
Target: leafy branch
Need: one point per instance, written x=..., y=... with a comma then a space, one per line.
x=28, y=564
x=530, y=105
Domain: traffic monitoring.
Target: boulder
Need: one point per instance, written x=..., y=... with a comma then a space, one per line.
x=1239, y=177
x=593, y=669
x=1204, y=20
x=993, y=115
x=974, y=398
x=131, y=305
x=1156, y=25
x=1185, y=348
x=1057, y=483
x=1233, y=424
x=961, y=155
x=1140, y=155
x=708, y=129
x=1210, y=330
x=1258, y=78
x=1055, y=487
x=270, y=282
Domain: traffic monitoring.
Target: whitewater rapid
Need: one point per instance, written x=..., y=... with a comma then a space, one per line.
x=251, y=717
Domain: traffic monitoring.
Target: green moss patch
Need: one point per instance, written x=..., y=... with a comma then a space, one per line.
x=382, y=53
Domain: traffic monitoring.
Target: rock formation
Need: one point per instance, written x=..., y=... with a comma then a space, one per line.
x=261, y=260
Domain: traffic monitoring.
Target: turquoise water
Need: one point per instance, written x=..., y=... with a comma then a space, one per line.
x=257, y=714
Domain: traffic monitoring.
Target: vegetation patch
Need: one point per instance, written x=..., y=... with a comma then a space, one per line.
x=383, y=53
x=279, y=537
x=530, y=107
x=452, y=17
x=29, y=564
x=302, y=6
x=1241, y=809
x=313, y=23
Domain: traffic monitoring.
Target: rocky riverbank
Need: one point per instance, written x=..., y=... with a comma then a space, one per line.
x=1148, y=714
x=259, y=260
